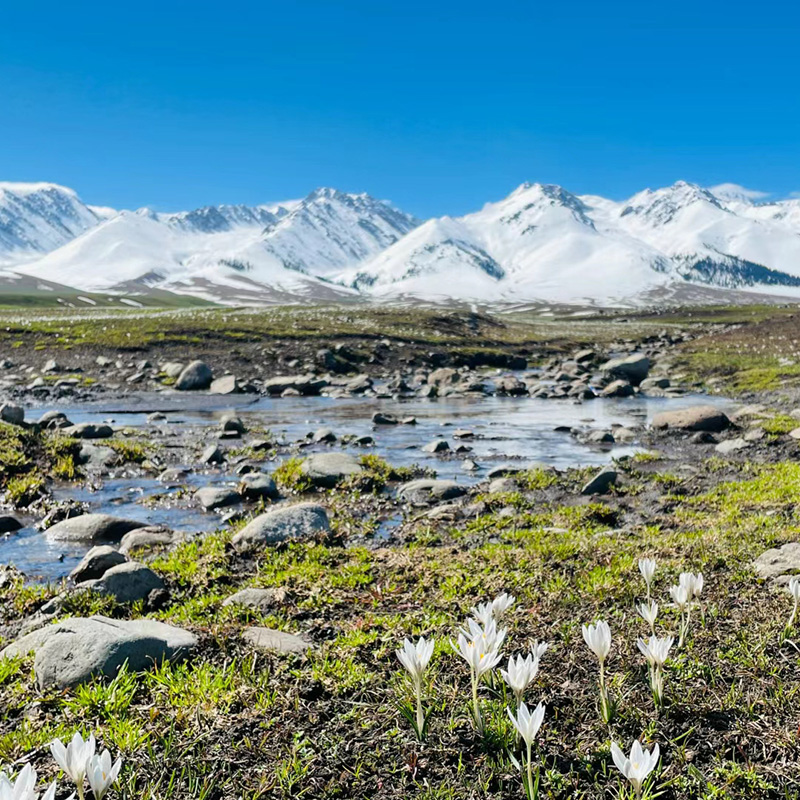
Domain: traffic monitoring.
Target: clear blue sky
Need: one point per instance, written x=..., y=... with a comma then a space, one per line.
x=438, y=106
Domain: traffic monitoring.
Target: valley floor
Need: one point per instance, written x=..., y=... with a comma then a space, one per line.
x=232, y=721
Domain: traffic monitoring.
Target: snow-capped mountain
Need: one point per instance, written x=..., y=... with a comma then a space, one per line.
x=541, y=243
x=38, y=217
x=229, y=253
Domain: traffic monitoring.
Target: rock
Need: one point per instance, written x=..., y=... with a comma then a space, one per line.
x=9, y=524
x=795, y=434
x=446, y=376
x=304, y=520
x=364, y=441
x=227, y=384
x=146, y=540
x=501, y=485
x=619, y=388
x=156, y=416
x=75, y=650
x=92, y=528
x=194, y=377
x=211, y=497
x=732, y=445
x=212, y=455
x=696, y=418
x=51, y=366
x=437, y=446
x=601, y=483
x=779, y=563
x=329, y=469
x=172, y=369
x=12, y=414
x=470, y=466
x=299, y=384
x=511, y=386
x=93, y=455
x=174, y=475
x=503, y=471
x=584, y=356
x=425, y=490
x=600, y=437
x=359, y=384
x=52, y=420
x=88, y=430
x=323, y=435
x=383, y=419
x=127, y=583
x=703, y=437
x=654, y=383
x=230, y=422
x=462, y=433
x=257, y=485
x=103, y=361
x=633, y=368
x=273, y=641
x=96, y=562
x=259, y=599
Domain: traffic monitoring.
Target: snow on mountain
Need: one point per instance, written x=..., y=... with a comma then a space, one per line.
x=286, y=248
x=706, y=237
x=538, y=243
x=38, y=217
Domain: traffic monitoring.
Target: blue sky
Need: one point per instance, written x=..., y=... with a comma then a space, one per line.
x=438, y=106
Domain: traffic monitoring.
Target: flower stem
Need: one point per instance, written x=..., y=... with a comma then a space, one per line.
x=476, y=705
x=794, y=615
x=420, y=714
x=530, y=773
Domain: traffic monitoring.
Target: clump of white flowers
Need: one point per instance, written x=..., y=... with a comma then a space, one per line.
x=598, y=639
x=637, y=767
x=415, y=658
x=79, y=762
x=481, y=650
x=684, y=594
x=656, y=651
x=521, y=673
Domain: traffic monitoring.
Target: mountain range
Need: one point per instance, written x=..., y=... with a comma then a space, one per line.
x=541, y=244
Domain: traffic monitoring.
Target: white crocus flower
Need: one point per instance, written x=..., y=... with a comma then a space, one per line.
x=24, y=787
x=648, y=612
x=647, y=566
x=527, y=726
x=794, y=591
x=481, y=661
x=101, y=773
x=538, y=649
x=598, y=639
x=656, y=651
x=490, y=636
x=74, y=757
x=415, y=658
x=520, y=674
x=636, y=768
x=483, y=613
x=501, y=604
x=682, y=595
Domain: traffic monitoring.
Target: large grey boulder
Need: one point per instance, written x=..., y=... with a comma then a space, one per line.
x=54, y=419
x=12, y=413
x=211, y=497
x=127, y=583
x=274, y=641
x=695, y=418
x=227, y=384
x=96, y=562
x=779, y=563
x=633, y=369
x=9, y=524
x=88, y=430
x=257, y=486
x=148, y=540
x=302, y=384
x=258, y=599
x=92, y=528
x=299, y=521
x=327, y=470
x=195, y=376
x=425, y=490
x=75, y=650
x=601, y=482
